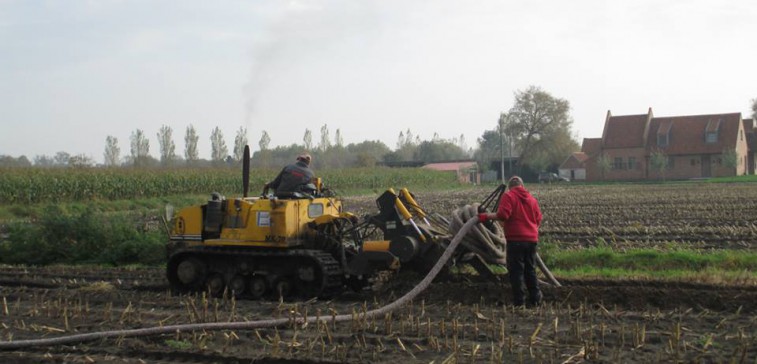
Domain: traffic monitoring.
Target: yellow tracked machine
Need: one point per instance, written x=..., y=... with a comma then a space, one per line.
x=300, y=245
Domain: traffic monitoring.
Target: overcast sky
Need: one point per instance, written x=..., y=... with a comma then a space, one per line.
x=74, y=72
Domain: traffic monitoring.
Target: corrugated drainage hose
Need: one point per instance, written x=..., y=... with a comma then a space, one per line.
x=247, y=325
x=488, y=242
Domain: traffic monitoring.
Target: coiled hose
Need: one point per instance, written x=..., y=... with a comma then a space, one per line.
x=247, y=325
x=488, y=241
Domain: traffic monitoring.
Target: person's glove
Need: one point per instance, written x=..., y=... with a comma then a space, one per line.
x=483, y=217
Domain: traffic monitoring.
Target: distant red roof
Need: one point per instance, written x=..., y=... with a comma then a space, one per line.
x=451, y=166
x=687, y=133
x=625, y=131
x=580, y=156
x=591, y=146
x=575, y=160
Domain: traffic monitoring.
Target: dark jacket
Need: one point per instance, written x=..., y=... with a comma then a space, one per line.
x=292, y=178
x=520, y=215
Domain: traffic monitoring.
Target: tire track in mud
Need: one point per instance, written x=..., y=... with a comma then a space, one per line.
x=626, y=294
x=475, y=313
x=86, y=354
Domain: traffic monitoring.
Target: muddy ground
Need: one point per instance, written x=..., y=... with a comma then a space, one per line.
x=460, y=319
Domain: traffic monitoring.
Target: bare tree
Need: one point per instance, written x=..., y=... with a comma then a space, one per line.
x=43, y=161
x=166, y=144
x=61, y=159
x=239, y=142
x=112, y=151
x=218, y=147
x=325, y=140
x=409, y=139
x=140, y=148
x=338, y=139
x=307, y=139
x=190, y=145
x=461, y=143
x=80, y=161
x=264, y=142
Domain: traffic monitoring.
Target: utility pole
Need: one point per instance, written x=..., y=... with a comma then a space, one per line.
x=501, y=146
x=510, y=153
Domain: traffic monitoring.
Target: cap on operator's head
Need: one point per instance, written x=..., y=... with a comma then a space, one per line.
x=514, y=181
x=304, y=157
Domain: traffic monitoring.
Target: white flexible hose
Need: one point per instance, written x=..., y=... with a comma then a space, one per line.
x=247, y=325
x=489, y=245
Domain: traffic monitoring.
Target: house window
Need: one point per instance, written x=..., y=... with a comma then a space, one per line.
x=631, y=163
x=662, y=140
x=711, y=131
x=663, y=133
x=711, y=137
x=670, y=162
x=618, y=164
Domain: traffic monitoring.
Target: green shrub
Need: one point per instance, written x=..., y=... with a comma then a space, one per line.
x=82, y=237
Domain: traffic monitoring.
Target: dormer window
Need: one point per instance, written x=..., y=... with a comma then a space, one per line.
x=711, y=131
x=662, y=140
x=663, y=133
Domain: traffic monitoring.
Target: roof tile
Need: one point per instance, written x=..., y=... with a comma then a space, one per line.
x=625, y=131
x=687, y=133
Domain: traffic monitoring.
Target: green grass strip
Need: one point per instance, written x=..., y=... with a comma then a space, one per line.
x=713, y=276
x=652, y=260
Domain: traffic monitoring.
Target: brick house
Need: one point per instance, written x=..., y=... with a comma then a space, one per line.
x=694, y=146
x=750, y=129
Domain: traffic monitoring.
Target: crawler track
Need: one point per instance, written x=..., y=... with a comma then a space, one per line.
x=255, y=273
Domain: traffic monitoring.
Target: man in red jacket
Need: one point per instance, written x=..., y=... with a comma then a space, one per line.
x=521, y=217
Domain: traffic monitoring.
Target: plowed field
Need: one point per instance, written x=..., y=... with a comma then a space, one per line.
x=460, y=319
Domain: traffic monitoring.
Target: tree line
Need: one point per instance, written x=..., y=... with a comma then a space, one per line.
x=536, y=131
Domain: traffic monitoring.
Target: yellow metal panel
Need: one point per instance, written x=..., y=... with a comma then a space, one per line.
x=188, y=221
x=255, y=221
x=246, y=243
x=376, y=246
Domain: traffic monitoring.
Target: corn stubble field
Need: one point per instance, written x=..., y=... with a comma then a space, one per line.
x=460, y=319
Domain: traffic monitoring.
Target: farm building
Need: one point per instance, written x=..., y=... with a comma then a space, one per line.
x=466, y=171
x=574, y=168
x=645, y=147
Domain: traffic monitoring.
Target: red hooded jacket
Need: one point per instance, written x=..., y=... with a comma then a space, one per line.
x=520, y=215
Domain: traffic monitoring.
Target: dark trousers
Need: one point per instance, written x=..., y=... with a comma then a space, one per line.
x=521, y=266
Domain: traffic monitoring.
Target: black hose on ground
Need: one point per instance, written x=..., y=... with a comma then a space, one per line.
x=247, y=325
